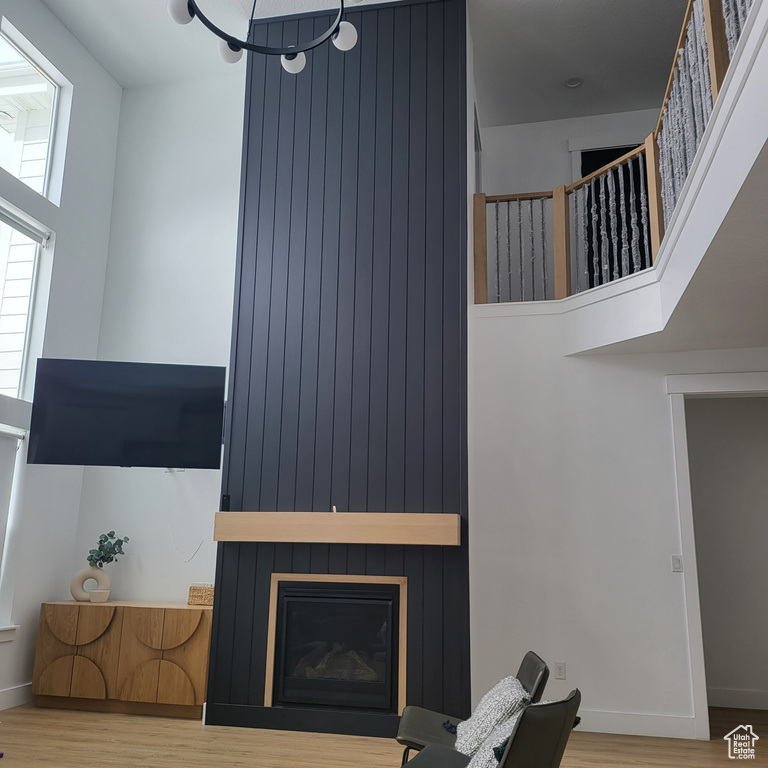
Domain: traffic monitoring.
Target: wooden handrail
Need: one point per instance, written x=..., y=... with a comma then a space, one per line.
x=680, y=44
x=600, y=171
x=655, y=209
x=717, y=44
x=518, y=196
x=481, y=248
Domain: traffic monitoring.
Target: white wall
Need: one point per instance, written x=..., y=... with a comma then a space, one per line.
x=573, y=518
x=168, y=298
x=533, y=157
x=728, y=454
x=37, y=560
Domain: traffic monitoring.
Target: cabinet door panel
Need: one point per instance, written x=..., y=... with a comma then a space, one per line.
x=140, y=642
x=62, y=622
x=93, y=622
x=174, y=687
x=179, y=626
x=98, y=634
x=50, y=646
x=87, y=680
x=141, y=683
x=56, y=678
x=192, y=656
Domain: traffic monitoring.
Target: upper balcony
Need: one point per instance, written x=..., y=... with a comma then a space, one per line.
x=662, y=249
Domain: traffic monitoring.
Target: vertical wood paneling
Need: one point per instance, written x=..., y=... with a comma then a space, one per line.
x=414, y=343
x=257, y=642
x=349, y=348
x=362, y=353
x=242, y=334
x=433, y=282
x=224, y=633
x=379, y=361
x=345, y=307
x=256, y=404
x=414, y=570
x=296, y=301
x=243, y=623
x=329, y=286
x=275, y=403
x=398, y=264
x=310, y=351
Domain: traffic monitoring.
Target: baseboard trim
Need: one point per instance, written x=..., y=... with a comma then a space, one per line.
x=737, y=698
x=638, y=724
x=186, y=711
x=15, y=697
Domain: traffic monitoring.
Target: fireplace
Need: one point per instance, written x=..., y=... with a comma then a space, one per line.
x=336, y=642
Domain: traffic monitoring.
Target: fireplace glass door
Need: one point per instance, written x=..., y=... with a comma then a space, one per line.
x=336, y=645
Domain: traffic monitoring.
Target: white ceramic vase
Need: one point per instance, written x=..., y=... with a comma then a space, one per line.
x=102, y=583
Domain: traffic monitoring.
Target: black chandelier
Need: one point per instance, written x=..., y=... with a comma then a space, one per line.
x=341, y=33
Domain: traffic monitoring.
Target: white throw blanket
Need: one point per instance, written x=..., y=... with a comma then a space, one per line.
x=504, y=700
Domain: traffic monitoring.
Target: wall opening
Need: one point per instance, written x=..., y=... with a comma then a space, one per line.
x=728, y=451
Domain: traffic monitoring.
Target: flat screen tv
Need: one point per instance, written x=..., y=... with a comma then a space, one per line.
x=104, y=413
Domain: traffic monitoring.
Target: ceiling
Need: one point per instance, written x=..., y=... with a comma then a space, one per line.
x=139, y=45
x=524, y=49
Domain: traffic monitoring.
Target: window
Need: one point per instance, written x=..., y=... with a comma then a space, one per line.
x=27, y=109
x=18, y=259
x=35, y=104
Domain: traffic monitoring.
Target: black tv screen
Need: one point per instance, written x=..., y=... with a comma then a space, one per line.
x=104, y=413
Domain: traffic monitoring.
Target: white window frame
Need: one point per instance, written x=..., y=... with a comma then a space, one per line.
x=60, y=114
x=19, y=212
x=14, y=425
x=22, y=50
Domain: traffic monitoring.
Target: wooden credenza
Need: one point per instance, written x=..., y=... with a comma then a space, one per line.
x=146, y=658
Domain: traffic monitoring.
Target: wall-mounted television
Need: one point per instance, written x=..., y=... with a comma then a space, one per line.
x=105, y=413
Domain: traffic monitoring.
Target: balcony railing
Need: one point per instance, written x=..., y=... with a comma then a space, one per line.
x=610, y=224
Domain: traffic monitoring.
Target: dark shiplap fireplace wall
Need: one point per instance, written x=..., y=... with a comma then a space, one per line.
x=348, y=374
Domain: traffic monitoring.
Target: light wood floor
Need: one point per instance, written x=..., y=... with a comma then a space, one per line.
x=50, y=738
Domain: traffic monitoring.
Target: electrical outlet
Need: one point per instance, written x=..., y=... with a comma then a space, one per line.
x=677, y=563
x=559, y=670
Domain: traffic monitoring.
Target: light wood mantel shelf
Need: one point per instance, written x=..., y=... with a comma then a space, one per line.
x=339, y=527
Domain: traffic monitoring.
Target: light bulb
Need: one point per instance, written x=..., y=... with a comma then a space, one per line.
x=293, y=62
x=178, y=10
x=345, y=38
x=230, y=55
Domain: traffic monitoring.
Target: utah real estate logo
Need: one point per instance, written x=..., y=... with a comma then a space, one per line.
x=741, y=743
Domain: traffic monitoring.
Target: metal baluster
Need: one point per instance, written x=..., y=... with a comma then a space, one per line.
x=624, y=229
x=533, y=251
x=644, y=213
x=604, y=247
x=520, y=238
x=614, y=223
x=633, y=219
x=509, y=247
x=543, y=202
x=582, y=211
x=498, y=257
x=595, y=246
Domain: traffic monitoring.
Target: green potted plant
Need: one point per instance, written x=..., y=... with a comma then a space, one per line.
x=106, y=551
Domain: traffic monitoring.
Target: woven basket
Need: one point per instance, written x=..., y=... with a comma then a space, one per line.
x=200, y=595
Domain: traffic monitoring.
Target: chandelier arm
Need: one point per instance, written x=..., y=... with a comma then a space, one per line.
x=266, y=49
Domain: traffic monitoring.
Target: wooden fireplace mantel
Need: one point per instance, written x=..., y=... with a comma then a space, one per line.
x=339, y=527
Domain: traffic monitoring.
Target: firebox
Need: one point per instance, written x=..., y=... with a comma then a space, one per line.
x=337, y=644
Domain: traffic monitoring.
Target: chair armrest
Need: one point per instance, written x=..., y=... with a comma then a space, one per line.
x=438, y=756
